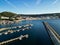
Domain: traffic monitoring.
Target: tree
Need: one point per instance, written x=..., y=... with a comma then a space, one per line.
x=8, y=14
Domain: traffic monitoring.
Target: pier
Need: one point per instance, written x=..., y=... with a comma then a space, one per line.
x=9, y=31
x=53, y=34
x=12, y=31
x=18, y=38
x=27, y=25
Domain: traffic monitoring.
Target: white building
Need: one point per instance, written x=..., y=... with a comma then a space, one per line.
x=2, y=17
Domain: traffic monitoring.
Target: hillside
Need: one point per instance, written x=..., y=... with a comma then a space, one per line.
x=11, y=14
x=7, y=14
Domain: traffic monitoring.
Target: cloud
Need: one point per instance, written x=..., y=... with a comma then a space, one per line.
x=55, y=2
x=11, y=5
x=38, y=2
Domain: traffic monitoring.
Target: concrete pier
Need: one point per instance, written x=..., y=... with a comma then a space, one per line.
x=53, y=34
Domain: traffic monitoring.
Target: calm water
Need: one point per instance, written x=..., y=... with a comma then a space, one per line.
x=37, y=34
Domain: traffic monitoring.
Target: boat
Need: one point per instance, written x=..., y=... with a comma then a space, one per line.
x=0, y=33
x=17, y=30
x=23, y=36
x=26, y=35
x=20, y=38
x=6, y=33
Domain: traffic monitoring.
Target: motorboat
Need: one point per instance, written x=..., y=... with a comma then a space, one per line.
x=23, y=29
x=23, y=36
x=20, y=38
x=26, y=35
x=0, y=33
x=17, y=30
x=6, y=33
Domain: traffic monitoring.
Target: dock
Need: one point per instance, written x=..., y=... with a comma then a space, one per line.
x=18, y=38
x=12, y=31
x=9, y=31
x=27, y=25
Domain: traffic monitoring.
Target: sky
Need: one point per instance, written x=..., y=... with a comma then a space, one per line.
x=30, y=6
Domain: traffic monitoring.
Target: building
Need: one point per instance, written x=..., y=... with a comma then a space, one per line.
x=3, y=17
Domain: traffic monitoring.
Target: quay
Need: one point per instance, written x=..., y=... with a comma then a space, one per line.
x=53, y=34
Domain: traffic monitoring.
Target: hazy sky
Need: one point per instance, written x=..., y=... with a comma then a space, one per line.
x=30, y=6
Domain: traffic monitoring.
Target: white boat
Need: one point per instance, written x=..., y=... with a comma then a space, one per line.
x=20, y=26
x=0, y=33
x=20, y=38
x=6, y=33
x=18, y=30
x=11, y=32
x=23, y=29
x=26, y=35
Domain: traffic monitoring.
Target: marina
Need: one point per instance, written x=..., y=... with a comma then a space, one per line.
x=36, y=32
x=29, y=22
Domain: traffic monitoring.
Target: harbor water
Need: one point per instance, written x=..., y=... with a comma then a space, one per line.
x=37, y=34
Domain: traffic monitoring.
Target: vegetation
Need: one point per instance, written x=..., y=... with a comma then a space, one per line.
x=7, y=14
x=11, y=15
